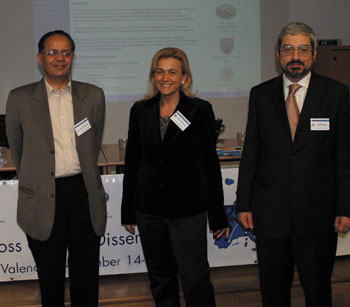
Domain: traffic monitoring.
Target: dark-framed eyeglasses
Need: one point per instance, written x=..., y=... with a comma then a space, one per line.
x=54, y=53
x=288, y=50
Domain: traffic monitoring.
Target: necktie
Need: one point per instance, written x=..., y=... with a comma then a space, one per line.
x=292, y=108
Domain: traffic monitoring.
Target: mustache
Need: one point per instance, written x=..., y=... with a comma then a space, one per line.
x=64, y=63
x=296, y=62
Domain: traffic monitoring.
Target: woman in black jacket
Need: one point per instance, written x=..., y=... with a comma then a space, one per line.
x=172, y=182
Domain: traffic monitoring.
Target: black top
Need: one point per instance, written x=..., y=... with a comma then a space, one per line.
x=179, y=176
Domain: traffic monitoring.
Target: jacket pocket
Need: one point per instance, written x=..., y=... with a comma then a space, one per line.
x=26, y=190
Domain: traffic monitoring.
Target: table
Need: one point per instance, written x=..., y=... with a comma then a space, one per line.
x=109, y=160
x=8, y=171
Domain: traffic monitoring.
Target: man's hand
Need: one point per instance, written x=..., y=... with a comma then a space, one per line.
x=342, y=224
x=246, y=219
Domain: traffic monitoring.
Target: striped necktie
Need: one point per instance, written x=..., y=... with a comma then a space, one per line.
x=292, y=108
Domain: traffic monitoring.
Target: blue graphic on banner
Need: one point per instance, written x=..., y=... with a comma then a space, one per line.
x=236, y=230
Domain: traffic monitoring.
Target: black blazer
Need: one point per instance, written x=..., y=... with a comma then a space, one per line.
x=179, y=176
x=302, y=184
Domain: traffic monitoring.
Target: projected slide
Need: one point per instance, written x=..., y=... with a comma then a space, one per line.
x=116, y=40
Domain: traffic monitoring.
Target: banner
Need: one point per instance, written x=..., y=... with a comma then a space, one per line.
x=121, y=252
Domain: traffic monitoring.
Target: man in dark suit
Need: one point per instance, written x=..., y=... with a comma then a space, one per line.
x=294, y=177
x=54, y=128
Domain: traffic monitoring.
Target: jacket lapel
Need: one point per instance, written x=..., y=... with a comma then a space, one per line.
x=312, y=101
x=80, y=107
x=184, y=107
x=152, y=120
x=41, y=112
x=279, y=103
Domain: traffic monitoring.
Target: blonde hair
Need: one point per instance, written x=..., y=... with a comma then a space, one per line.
x=171, y=52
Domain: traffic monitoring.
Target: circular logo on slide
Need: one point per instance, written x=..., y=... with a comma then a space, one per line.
x=226, y=11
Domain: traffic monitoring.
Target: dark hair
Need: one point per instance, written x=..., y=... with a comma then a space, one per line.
x=41, y=44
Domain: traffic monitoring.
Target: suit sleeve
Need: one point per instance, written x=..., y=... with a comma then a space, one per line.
x=132, y=164
x=14, y=131
x=343, y=155
x=249, y=160
x=212, y=172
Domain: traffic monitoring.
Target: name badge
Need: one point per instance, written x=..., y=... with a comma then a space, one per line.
x=82, y=126
x=319, y=124
x=181, y=121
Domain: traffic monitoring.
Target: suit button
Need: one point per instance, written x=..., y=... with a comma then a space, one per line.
x=52, y=152
x=52, y=174
x=52, y=195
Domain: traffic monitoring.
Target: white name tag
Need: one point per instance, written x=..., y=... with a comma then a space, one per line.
x=181, y=121
x=319, y=124
x=82, y=126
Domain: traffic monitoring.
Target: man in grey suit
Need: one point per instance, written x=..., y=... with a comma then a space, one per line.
x=54, y=128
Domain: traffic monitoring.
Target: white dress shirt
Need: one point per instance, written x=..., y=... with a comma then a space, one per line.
x=301, y=93
x=62, y=121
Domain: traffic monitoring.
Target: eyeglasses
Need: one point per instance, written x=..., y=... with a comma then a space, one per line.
x=303, y=50
x=54, y=53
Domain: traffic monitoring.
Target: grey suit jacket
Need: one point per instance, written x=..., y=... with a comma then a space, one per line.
x=29, y=131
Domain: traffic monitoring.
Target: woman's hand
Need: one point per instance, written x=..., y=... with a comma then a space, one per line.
x=130, y=228
x=219, y=233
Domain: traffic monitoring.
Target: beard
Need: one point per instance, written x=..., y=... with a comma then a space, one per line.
x=295, y=73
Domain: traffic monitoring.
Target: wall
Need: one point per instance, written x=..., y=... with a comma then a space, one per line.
x=16, y=52
x=328, y=19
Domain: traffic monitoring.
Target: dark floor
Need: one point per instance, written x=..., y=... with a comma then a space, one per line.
x=234, y=286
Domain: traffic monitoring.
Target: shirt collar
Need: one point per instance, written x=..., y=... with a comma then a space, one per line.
x=304, y=82
x=50, y=89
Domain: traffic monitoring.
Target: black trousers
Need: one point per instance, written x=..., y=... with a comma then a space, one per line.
x=314, y=260
x=72, y=231
x=173, y=246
